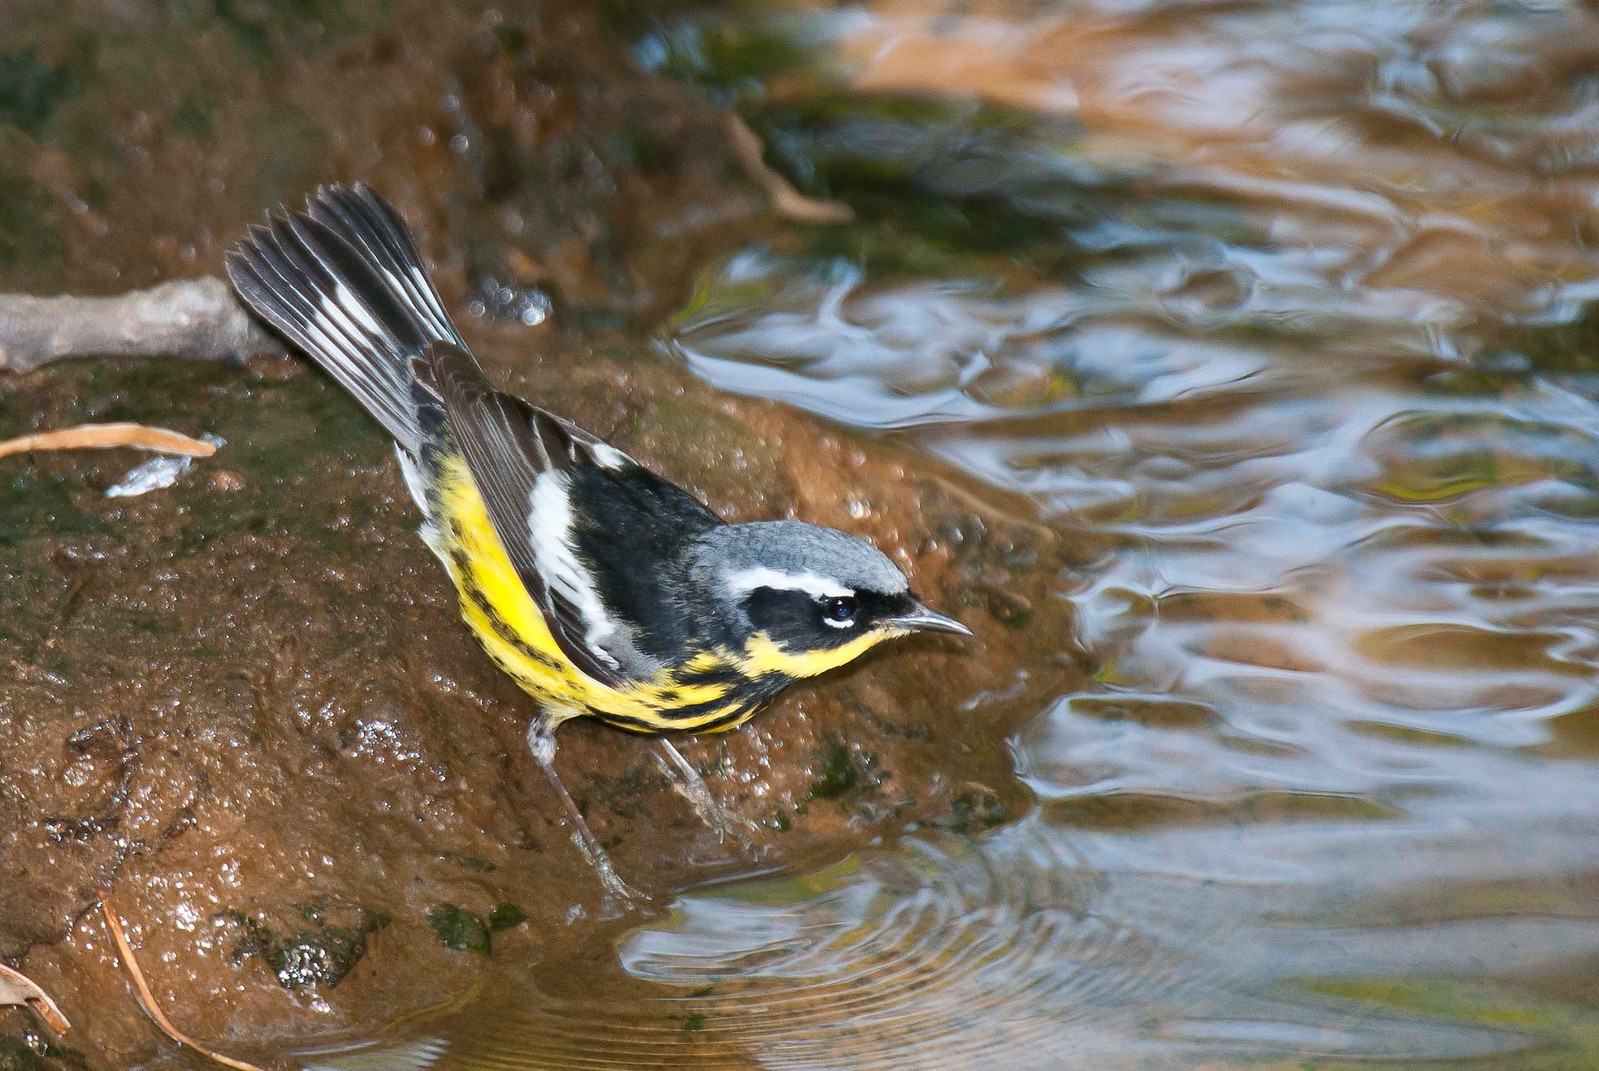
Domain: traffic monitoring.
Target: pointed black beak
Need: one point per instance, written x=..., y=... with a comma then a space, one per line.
x=922, y=619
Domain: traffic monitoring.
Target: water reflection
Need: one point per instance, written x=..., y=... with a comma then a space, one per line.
x=1226, y=289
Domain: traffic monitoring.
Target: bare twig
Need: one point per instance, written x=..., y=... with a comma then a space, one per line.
x=785, y=200
x=147, y=999
x=194, y=318
x=109, y=436
x=18, y=988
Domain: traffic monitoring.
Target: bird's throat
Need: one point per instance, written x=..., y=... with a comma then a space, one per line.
x=763, y=655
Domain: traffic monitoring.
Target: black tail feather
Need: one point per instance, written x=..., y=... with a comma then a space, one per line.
x=371, y=225
x=344, y=282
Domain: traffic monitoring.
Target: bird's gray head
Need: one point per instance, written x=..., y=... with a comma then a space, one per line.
x=809, y=598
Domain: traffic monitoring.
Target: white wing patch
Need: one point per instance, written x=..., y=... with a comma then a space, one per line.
x=549, y=522
x=747, y=580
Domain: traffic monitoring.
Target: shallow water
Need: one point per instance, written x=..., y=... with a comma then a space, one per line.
x=1281, y=311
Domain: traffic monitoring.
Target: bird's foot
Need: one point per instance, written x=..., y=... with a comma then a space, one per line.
x=618, y=897
x=688, y=782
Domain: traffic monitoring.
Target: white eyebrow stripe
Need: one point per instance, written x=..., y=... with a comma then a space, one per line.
x=746, y=580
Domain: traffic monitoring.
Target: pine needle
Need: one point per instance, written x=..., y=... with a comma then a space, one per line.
x=147, y=999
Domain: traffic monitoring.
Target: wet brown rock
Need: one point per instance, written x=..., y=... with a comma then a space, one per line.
x=255, y=712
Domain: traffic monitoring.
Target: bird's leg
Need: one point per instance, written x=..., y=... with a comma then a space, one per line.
x=695, y=790
x=541, y=741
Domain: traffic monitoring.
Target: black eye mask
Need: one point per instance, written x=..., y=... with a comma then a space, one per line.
x=798, y=620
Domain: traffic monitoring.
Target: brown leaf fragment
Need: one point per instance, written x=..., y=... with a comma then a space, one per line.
x=147, y=999
x=17, y=988
x=107, y=437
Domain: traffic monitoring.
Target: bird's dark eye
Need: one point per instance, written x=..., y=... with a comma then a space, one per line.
x=839, y=610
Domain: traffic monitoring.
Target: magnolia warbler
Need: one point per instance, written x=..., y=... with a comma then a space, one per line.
x=602, y=589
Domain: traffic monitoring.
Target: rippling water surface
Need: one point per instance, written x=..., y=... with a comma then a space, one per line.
x=1282, y=309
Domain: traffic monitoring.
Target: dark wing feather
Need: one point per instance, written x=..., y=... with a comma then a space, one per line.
x=508, y=444
x=635, y=529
